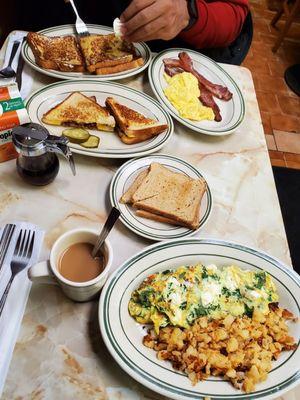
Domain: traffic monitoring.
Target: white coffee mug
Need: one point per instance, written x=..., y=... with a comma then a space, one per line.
x=48, y=271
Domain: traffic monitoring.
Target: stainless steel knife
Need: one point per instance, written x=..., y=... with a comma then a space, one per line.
x=5, y=241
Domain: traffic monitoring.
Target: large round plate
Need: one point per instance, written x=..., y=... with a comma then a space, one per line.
x=63, y=30
x=123, y=336
x=111, y=145
x=232, y=111
x=147, y=228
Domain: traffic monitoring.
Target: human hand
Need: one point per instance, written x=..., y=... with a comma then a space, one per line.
x=154, y=19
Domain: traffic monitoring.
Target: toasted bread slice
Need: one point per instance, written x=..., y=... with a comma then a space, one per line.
x=165, y=220
x=101, y=51
x=133, y=127
x=120, y=67
x=170, y=194
x=127, y=196
x=60, y=53
x=79, y=110
x=159, y=218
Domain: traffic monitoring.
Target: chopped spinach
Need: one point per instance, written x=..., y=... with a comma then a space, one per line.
x=270, y=297
x=183, y=286
x=144, y=297
x=166, y=271
x=200, y=311
x=260, y=278
x=237, y=293
x=226, y=292
x=215, y=277
x=213, y=307
x=248, y=311
x=204, y=273
x=183, y=305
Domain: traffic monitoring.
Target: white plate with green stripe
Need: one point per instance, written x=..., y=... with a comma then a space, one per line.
x=141, y=48
x=110, y=145
x=232, y=111
x=123, y=335
x=148, y=228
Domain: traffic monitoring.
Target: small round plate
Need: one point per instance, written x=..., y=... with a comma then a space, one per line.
x=123, y=335
x=145, y=227
x=232, y=111
x=63, y=30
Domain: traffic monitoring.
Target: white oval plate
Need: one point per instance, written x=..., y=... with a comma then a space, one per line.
x=232, y=111
x=111, y=145
x=147, y=228
x=63, y=30
x=123, y=335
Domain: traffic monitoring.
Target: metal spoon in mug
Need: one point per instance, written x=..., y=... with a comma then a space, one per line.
x=112, y=218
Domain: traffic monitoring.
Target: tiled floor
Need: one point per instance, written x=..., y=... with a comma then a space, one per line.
x=279, y=106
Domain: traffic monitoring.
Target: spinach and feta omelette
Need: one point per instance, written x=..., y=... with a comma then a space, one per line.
x=178, y=297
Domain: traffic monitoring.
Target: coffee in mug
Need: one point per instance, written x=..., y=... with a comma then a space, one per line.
x=77, y=264
x=72, y=266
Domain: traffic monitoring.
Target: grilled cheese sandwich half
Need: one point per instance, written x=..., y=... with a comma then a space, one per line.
x=133, y=127
x=78, y=110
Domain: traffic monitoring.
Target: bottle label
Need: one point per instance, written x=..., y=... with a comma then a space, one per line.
x=12, y=113
x=11, y=105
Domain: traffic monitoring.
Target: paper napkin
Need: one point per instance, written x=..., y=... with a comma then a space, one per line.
x=27, y=75
x=12, y=314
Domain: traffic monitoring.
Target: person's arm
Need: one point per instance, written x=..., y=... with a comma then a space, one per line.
x=218, y=23
x=145, y=20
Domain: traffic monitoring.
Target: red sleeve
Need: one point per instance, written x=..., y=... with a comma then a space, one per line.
x=218, y=24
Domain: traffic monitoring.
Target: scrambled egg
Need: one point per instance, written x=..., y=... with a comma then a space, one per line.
x=183, y=92
x=181, y=296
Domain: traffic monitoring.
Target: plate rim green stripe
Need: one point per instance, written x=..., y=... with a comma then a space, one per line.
x=202, y=254
x=62, y=75
x=131, y=226
x=257, y=253
x=167, y=134
x=185, y=121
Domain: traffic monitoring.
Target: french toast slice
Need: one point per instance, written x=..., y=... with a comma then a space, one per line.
x=78, y=110
x=60, y=53
x=120, y=67
x=103, y=51
x=133, y=127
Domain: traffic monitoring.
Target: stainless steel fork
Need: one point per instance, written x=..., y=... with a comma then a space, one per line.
x=81, y=27
x=20, y=259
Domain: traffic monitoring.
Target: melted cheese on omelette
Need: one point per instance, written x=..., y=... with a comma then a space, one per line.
x=178, y=297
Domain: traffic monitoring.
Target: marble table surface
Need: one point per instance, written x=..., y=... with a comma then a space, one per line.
x=59, y=353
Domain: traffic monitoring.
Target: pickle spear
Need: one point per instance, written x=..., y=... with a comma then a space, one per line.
x=76, y=135
x=91, y=143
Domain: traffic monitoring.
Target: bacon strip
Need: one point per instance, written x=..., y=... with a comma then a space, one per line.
x=186, y=63
x=221, y=92
x=207, y=100
x=171, y=71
